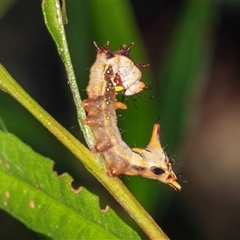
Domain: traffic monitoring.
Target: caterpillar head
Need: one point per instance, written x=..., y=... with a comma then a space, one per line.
x=154, y=162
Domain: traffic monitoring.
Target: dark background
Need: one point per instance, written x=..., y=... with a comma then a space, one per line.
x=206, y=148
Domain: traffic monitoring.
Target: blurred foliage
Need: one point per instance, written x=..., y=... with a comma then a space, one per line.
x=182, y=76
x=4, y=6
x=178, y=84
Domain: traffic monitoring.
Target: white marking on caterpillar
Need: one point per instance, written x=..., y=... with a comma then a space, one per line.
x=110, y=72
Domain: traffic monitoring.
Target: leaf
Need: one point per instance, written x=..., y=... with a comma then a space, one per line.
x=46, y=203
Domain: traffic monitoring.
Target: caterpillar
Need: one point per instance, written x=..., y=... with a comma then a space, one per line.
x=113, y=72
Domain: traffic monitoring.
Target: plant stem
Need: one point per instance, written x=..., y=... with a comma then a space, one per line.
x=53, y=18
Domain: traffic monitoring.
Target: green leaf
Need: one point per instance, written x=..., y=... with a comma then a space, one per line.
x=47, y=203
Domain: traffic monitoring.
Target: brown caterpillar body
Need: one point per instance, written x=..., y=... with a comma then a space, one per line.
x=112, y=72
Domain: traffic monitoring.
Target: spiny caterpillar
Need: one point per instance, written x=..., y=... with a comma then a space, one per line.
x=110, y=73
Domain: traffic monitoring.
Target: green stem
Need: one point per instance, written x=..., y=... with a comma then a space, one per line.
x=53, y=18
